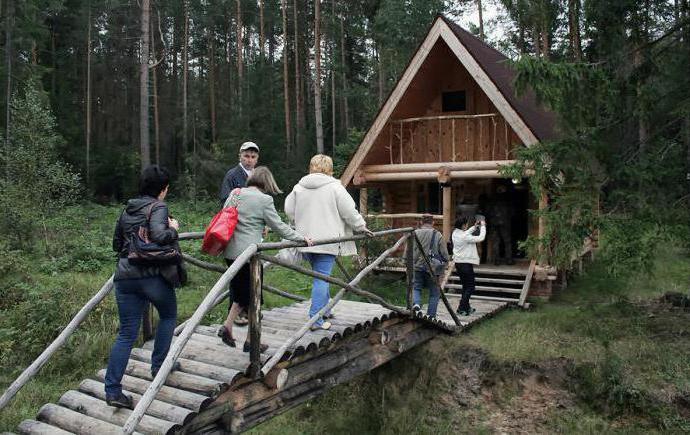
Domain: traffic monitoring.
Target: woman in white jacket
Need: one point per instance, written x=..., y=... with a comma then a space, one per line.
x=321, y=208
x=465, y=257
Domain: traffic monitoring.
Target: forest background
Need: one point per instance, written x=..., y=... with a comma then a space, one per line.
x=94, y=89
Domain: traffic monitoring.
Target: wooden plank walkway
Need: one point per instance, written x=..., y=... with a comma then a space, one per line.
x=210, y=392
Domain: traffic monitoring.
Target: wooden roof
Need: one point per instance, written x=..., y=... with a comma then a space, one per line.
x=489, y=68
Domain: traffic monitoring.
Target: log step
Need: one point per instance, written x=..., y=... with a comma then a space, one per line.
x=181, y=398
x=159, y=409
x=93, y=407
x=519, y=282
x=33, y=427
x=75, y=422
x=481, y=288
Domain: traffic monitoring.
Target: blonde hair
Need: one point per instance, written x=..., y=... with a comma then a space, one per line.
x=263, y=179
x=321, y=163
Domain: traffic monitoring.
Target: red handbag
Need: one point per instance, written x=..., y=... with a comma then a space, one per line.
x=222, y=226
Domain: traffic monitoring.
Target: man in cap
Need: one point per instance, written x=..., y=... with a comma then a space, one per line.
x=237, y=176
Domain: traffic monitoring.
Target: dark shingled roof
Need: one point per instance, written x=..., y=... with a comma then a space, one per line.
x=539, y=119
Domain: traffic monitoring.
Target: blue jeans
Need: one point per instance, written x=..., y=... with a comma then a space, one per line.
x=320, y=294
x=422, y=279
x=131, y=296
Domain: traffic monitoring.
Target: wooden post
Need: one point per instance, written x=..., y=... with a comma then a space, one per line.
x=409, y=262
x=447, y=211
x=444, y=181
x=543, y=204
x=255, y=318
x=364, y=210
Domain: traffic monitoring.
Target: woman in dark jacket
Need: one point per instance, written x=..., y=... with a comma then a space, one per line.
x=136, y=285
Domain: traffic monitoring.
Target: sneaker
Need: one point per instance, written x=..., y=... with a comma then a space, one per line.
x=324, y=326
x=329, y=316
x=154, y=370
x=416, y=308
x=120, y=401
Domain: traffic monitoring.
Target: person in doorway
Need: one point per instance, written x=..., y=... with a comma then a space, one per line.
x=500, y=213
x=137, y=285
x=236, y=177
x=434, y=246
x=465, y=257
x=322, y=209
x=255, y=211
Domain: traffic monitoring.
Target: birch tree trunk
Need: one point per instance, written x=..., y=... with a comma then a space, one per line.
x=299, y=103
x=212, y=83
x=88, y=97
x=480, y=11
x=144, y=85
x=574, y=29
x=317, y=79
x=262, y=32
x=286, y=87
x=240, y=60
x=346, y=109
x=9, y=24
x=156, y=119
x=185, y=76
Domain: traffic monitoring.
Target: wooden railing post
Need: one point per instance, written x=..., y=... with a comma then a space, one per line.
x=409, y=263
x=255, y=317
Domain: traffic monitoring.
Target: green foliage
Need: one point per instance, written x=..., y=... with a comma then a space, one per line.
x=343, y=152
x=594, y=179
x=36, y=183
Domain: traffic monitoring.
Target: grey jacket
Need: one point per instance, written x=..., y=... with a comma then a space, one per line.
x=425, y=234
x=255, y=211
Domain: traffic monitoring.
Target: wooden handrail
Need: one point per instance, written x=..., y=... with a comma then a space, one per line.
x=291, y=244
x=72, y=326
x=275, y=359
x=528, y=281
x=442, y=117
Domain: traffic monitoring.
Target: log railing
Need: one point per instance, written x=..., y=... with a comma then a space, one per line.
x=461, y=128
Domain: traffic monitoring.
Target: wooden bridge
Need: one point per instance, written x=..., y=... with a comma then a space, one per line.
x=219, y=389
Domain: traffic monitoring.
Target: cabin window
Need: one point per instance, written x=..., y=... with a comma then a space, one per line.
x=454, y=101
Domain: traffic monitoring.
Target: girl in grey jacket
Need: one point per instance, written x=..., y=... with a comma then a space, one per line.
x=256, y=210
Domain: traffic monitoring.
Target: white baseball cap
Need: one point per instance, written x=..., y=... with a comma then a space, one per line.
x=248, y=146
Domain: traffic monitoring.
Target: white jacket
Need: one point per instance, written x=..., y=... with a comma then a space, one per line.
x=465, y=245
x=321, y=208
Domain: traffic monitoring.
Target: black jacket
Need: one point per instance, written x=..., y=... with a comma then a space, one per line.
x=234, y=178
x=134, y=216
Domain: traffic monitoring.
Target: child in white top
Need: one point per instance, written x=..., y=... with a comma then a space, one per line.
x=465, y=257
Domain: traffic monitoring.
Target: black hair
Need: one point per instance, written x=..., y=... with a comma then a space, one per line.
x=153, y=180
x=462, y=220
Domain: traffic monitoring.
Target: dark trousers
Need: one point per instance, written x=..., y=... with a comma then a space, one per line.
x=240, y=286
x=132, y=296
x=466, y=273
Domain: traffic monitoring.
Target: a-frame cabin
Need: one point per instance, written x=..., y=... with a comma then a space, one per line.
x=438, y=141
